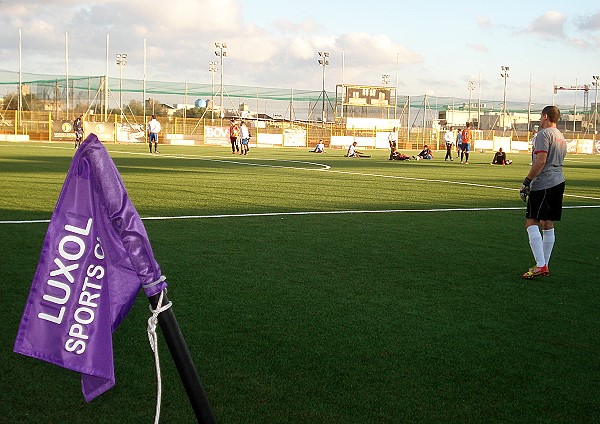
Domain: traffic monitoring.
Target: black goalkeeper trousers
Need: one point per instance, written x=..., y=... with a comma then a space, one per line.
x=448, y=153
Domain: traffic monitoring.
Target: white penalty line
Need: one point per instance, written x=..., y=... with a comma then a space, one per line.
x=346, y=212
x=427, y=180
x=326, y=168
x=320, y=167
x=223, y=159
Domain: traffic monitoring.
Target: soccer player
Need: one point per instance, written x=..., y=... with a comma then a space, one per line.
x=396, y=155
x=78, y=129
x=426, y=153
x=465, y=146
x=353, y=153
x=320, y=147
x=500, y=158
x=153, y=130
x=234, y=134
x=449, y=139
x=245, y=135
x=458, y=143
x=543, y=190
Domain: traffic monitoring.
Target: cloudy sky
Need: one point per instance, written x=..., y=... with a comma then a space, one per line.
x=432, y=47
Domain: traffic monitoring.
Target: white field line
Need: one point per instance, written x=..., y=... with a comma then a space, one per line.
x=321, y=168
x=222, y=159
x=343, y=212
x=447, y=182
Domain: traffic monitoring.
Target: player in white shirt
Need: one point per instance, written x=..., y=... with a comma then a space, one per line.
x=153, y=130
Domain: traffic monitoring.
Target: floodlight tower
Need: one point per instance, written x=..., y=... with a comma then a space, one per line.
x=471, y=87
x=324, y=61
x=121, y=61
x=504, y=74
x=221, y=53
x=212, y=67
x=595, y=83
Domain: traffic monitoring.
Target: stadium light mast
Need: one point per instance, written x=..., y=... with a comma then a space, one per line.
x=595, y=83
x=144, y=90
x=385, y=80
x=67, y=69
x=20, y=98
x=221, y=53
x=471, y=87
x=212, y=67
x=529, y=106
x=121, y=61
x=324, y=61
x=396, y=87
x=106, y=81
x=479, y=102
x=504, y=74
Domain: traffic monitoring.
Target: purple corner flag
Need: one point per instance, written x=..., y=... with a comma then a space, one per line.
x=95, y=258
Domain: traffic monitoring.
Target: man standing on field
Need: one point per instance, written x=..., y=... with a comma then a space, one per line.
x=543, y=190
x=465, y=147
x=153, y=130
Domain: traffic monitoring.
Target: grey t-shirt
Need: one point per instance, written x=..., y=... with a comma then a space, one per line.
x=551, y=141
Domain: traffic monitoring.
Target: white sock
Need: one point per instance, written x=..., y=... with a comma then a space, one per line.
x=548, y=242
x=536, y=243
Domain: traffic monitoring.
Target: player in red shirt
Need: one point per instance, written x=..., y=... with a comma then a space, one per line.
x=465, y=147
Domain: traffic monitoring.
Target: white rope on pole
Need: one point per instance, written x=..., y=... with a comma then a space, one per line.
x=153, y=338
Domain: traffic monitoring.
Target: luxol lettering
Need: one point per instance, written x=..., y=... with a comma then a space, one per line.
x=74, y=241
x=84, y=314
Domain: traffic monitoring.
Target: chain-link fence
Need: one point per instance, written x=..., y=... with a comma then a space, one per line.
x=46, y=105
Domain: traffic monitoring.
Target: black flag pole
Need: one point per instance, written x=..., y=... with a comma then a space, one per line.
x=128, y=226
x=183, y=361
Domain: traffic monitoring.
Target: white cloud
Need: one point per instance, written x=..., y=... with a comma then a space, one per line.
x=301, y=48
x=192, y=15
x=590, y=22
x=275, y=44
x=289, y=27
x=376, y=49
x=549, y=25
x=484, y=21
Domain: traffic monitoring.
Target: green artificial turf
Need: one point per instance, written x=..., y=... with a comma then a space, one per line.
x=411, y=311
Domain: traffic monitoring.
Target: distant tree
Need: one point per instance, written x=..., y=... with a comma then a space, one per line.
x=11, y=101
x=158, y=108
x=82, y=107
x=136, y=108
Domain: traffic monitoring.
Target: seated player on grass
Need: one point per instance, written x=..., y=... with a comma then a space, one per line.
x=424, y=154
x=353, y=153
x=500, y=158
x=320, y=147
x=396, y=155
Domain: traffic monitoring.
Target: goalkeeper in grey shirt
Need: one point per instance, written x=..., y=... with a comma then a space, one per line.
x=543, y=190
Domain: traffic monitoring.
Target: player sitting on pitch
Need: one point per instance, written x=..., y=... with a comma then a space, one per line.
x=396, y=155
x=353, y=153
x=500, y=158
x=319, y=148
x=425, y=154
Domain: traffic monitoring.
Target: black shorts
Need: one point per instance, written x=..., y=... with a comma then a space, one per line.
x=546, y=205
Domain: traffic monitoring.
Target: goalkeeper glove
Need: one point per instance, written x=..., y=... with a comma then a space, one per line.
x=525, y=189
